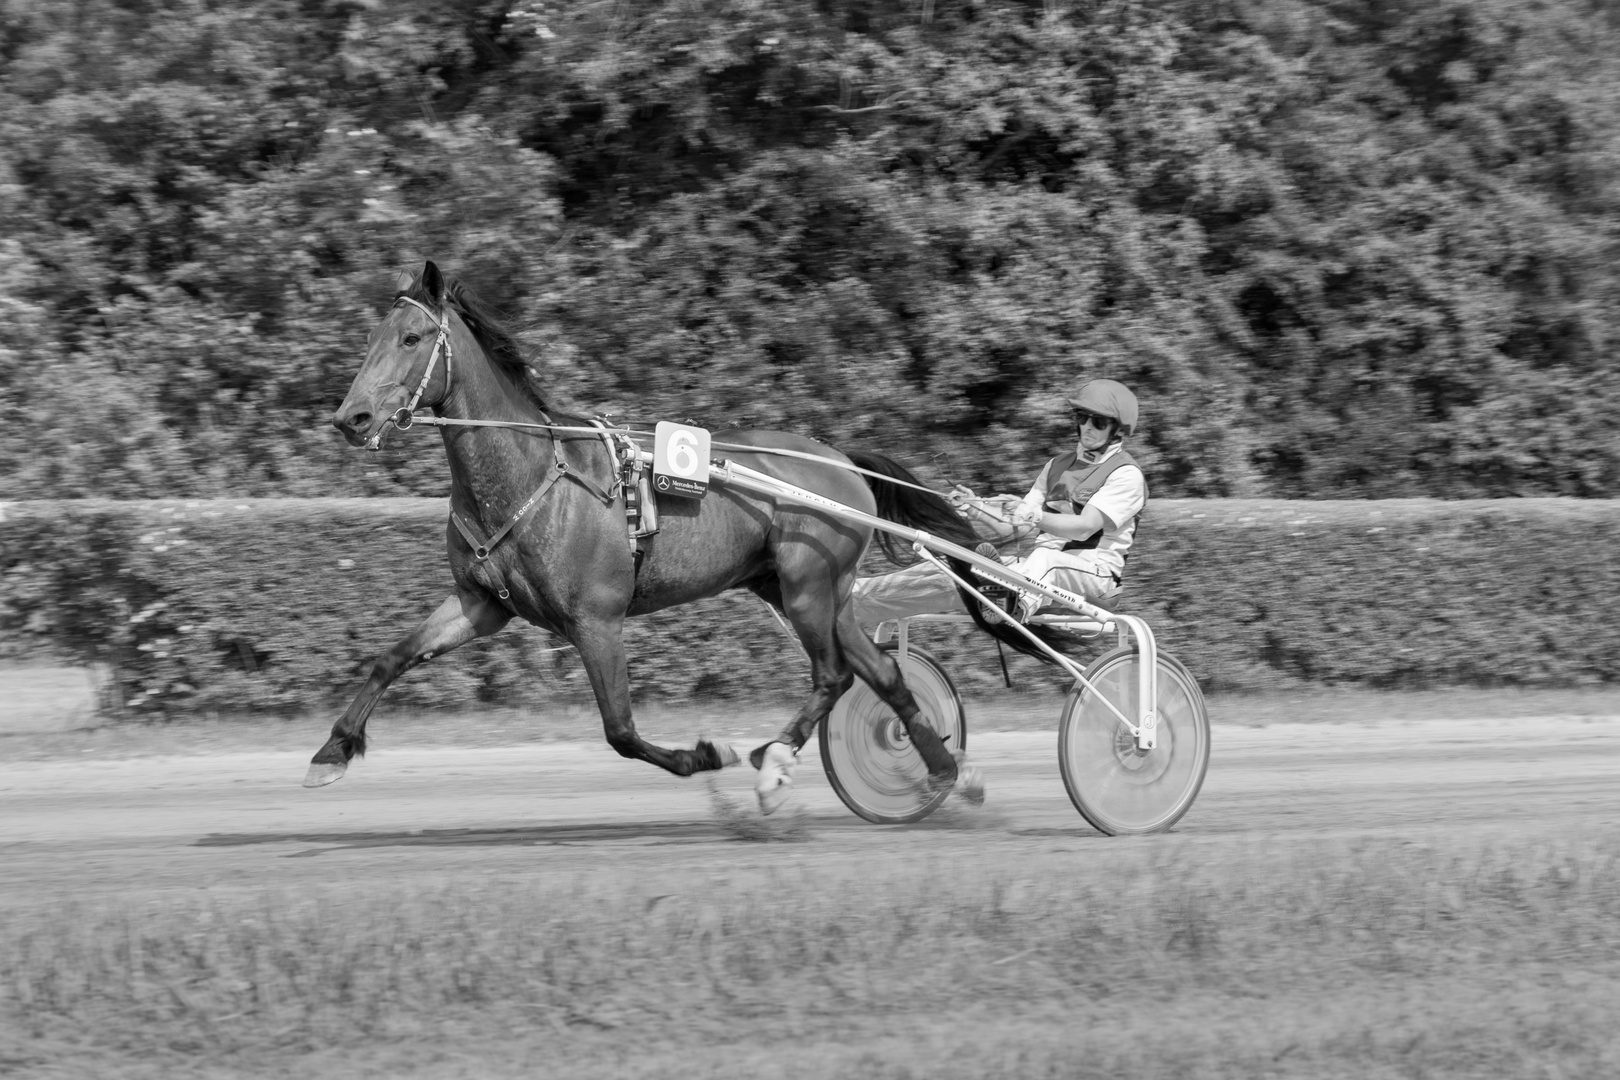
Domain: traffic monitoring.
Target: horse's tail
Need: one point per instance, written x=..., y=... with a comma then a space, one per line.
x=907, y=506
x=932, y=514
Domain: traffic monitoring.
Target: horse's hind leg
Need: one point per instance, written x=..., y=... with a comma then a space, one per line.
x=460, y=619
x=810, y=612
x=879, y=671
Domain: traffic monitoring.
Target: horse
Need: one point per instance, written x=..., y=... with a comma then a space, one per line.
x=538, y=531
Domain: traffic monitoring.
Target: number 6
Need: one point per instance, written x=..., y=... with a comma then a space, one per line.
x=682, y=454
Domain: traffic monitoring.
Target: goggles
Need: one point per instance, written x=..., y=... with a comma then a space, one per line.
x=1083, y=419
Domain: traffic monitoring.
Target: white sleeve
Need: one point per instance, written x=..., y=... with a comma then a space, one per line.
x=1122, y=495
x=1036, y=498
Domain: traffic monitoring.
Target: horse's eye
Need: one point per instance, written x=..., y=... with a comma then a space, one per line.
x=410, y=340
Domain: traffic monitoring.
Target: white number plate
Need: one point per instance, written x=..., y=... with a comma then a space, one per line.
x=680, y=460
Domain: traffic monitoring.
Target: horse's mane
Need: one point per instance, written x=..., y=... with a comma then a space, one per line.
x=488, y=329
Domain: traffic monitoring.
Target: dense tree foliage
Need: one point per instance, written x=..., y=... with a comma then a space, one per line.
x=1341, y=248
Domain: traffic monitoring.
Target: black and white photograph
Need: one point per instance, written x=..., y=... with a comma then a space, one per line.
x=844, y=540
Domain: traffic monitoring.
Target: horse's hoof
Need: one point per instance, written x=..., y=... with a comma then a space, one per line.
x=728, y=755
x=322, y=773
x=969, y=783
x=775, y=777
x=934, y=783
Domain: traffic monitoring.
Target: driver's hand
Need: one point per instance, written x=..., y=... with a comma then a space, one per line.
x=960, y=494
x=1024, y=516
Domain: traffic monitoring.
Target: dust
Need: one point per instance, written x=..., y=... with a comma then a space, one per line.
x=743, y=821
x=960, y=815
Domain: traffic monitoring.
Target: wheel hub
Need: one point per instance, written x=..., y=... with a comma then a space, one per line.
x=891, y=734
x=1127, y=752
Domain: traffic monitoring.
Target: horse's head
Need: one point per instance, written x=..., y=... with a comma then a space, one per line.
x=407, y=362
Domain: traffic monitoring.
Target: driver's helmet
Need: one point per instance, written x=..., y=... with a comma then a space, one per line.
x=1105, y=397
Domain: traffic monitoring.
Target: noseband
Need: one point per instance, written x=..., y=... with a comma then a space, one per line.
x=405, y=416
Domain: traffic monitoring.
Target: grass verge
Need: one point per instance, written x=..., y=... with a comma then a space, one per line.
x=1348, y=959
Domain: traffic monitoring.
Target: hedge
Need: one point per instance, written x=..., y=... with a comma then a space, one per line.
x=208, y=607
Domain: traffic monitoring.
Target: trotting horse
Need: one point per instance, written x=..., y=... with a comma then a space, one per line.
x=537, y=530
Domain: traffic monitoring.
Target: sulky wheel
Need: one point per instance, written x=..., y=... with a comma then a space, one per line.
x=1119, y=789
x=868, y=757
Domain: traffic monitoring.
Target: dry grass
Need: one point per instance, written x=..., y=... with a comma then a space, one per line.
x=1355, y=960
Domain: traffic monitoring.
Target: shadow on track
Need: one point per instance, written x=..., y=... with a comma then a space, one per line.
x=724, y=828
x=658, y=831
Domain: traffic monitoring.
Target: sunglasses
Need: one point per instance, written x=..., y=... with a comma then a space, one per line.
x=1081, y=419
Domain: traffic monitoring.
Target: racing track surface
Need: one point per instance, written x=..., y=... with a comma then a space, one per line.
x=222, y=820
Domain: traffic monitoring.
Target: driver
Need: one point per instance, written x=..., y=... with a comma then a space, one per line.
x=1082, y=508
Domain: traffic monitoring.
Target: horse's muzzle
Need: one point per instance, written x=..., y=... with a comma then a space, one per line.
x=357, y=428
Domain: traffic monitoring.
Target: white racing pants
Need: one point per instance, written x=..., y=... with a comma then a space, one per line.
x=923, y=590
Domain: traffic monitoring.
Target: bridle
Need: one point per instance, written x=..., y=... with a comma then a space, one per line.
x=405, y=416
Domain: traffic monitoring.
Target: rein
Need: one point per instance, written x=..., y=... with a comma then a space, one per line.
x=633, y=434
x=404, y=418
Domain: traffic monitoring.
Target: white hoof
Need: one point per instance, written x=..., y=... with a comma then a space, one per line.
x=969, y=781
x=775, y=777
x=321, y=775
x=729, y=755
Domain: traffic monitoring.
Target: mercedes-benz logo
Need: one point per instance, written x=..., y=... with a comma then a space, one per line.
x=661, y=483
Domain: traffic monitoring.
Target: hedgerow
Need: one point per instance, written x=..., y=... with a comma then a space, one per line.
x=265, y=605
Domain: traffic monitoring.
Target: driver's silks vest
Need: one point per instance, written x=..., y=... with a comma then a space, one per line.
x=1071, y=483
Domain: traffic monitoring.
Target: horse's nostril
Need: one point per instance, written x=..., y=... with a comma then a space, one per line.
x=358, y=422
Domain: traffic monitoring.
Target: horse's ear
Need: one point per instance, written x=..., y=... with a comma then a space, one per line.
x=433, y=282
x=403, y=281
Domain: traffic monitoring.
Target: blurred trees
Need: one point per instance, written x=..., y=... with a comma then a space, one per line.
x=1339, y=248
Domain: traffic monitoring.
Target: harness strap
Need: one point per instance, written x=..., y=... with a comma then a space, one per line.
x=482, y=549
x=559, y=469
x=607, y=495
x=611, y=492
x=610, y=440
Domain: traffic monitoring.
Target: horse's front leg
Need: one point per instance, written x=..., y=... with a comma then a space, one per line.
x=461, y=618
x=601, y=648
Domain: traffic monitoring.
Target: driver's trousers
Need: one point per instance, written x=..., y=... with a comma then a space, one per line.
x=923, y=590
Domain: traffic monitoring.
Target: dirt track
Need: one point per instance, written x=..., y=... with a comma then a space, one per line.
x=82, y=828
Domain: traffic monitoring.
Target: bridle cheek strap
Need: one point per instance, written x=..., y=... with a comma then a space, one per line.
x=441, y=343
x=403, y=417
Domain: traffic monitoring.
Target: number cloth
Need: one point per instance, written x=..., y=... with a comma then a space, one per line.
x=1092, y=567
